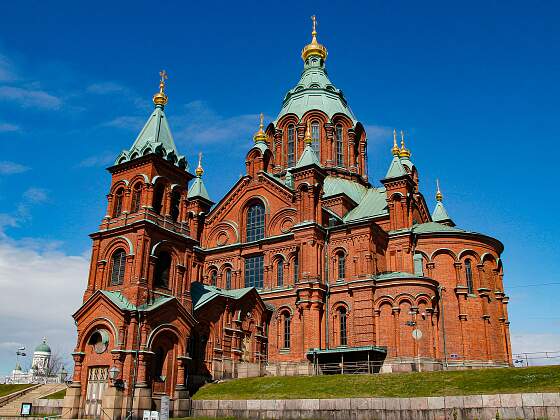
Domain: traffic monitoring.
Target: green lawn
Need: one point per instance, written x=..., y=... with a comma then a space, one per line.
x=59, y=395
x=479, y=381
x=6, y=389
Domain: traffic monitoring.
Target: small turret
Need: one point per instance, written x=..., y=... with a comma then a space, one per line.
x=440, y=214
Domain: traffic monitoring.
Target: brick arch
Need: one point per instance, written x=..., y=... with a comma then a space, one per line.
x=384, y=300
x=468, y=252
x=94, y=325
x=280, y=218
x=244, y=208
x=229, y=229
x=314, y=114
x=487, y=256
x=340, y=303
x=141, y=176
x=154, y=333
x=123, y=183
x=117, y=242
x=405, y=297
x=445, y=251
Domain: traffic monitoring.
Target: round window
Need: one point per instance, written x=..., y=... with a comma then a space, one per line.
x=99, y=340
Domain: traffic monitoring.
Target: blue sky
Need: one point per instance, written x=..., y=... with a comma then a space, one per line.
x=475, y=87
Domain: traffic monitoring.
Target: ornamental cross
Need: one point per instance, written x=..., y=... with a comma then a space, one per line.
x=262, y=120
x=314, y=19
x=199, y=159
x=163, y=75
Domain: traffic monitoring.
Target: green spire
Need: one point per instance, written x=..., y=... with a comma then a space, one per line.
x=198, y=189
x=396, y=169
x=308, y=157
x=440, y=214
x=155, y=136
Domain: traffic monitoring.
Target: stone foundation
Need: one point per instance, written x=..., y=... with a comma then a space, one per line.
x=481, y=407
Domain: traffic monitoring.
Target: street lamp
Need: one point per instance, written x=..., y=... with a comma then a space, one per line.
x=114, y=373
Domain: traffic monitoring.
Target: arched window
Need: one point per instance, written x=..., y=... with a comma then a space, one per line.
x=161, y=272
x=468, y=274
x=339, y=146
x=286, y=338
x=118, y=202
x=296, y=268
x=341, y=265
x=315, y=137
x=280, y=272
x=118, y=265
x=136, y=197
x=157, y=204
x=175, y=202
x=255, y=222
x=342, y=322
x=291, y=146
x=214, y=278
x=228, y=279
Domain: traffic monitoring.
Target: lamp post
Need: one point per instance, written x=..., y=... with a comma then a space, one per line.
x=114, y=374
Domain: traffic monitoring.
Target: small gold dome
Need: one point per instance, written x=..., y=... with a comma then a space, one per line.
x=314, y=48
x=395, y=149
x=199, y=171
x=160, y=98
x=308, y=139
x=439, y=195
x=403, y=152
x=260, y=136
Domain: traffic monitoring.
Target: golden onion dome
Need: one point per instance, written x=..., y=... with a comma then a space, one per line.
x=160, y=98
x=199, y=170
x=395, y=149
x=314, y=48
x=439, y=195
x=403, y=152
x=260, y=136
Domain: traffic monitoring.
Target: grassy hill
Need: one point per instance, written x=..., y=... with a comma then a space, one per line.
x=466, y=382
x=6, y=389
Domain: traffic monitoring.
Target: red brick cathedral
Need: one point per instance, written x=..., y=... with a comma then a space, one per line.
x=303, y=267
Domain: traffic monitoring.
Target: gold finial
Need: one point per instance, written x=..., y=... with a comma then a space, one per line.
x=199, y=171
x=260, y=136
x=403, y=152
x=314, y=48
x=395, y=150
x=439, y=195
x=308, y=139
x=160, y=98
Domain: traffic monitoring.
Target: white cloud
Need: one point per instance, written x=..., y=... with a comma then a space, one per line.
x=538, y=344
x=103, y=159
x=132, y=123
x=6, y=127
x=199, y=124
x=35, y=195
x=40, y=291
x=378, y=133
x=10, y=168
x=30, y=97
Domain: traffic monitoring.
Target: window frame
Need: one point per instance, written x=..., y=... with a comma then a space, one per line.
x=255, y=222
x=136, y=198
x=340, y=266
x=469, y=276
x=227, y=273
x=291, y=146
x=343, y=326
x=339, y=132
x=121, y=268
x=286, y=331
x=254, y=271
x=118, y=202
x=280, y=272
x=316, y=137
x=157, y=276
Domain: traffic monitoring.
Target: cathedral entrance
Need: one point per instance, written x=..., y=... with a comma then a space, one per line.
x=96, y=386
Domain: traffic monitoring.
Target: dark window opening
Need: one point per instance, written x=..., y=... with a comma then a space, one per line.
x=468, y=273
x=343, y=333
x=117, y=206
x=287, y=322
x=339, y=146
x=136, y=198
x=175, y=202
x=291, y=146
x=158, y=198
x=162, y=269
x=118, y=267
x=228, y=279
x=341, y=266
x=280, y=272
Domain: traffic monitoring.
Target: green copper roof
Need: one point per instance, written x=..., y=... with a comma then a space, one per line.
x=315, y=91
x=156, y=138
x=203, y=293
x=440, y=214
x=407, y=162
x=198, y=189
x=44, y=347
x=373, y=204
x=434, y=227
x=334, y=185
x=308, y=157
x=396, y=169
x=122, y=302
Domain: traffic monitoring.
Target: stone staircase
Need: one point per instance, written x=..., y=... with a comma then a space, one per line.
x=12, y=408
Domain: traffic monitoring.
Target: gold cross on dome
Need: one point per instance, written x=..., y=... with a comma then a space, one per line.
x=314, y=19
x=163, y=75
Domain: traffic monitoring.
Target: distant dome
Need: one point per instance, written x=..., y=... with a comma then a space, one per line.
x=44, y=347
